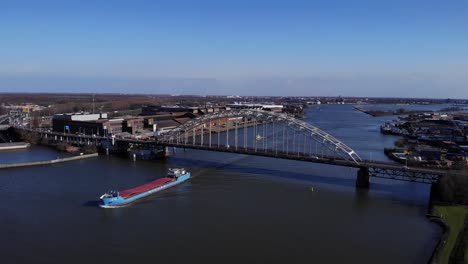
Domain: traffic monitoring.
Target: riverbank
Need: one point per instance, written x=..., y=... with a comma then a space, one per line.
x=47, y=162
x=388, y=112
x=452, y=245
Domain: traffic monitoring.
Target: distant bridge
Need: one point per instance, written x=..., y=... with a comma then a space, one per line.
x=4, y=122
x=4, y=118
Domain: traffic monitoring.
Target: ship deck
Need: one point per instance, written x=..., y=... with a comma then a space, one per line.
x=145, y=187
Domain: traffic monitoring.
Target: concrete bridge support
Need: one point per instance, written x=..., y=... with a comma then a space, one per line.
x=434, y=196
x=363, y=178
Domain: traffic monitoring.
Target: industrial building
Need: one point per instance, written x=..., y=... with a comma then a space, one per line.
x=84, y=123
x=165, y=110
x=177, y=110
x=99, y=124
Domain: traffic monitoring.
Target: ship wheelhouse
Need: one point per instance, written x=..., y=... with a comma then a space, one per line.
x=176, y=172
x=110, y=194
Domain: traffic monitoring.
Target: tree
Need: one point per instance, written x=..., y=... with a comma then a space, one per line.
x=401, y=143
x=452, y=189
x=76, y=109
x=401, y=110
x=35, y=122
x=30, y=137
x=89, y=149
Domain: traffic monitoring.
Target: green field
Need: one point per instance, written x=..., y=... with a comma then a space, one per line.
x=454, y=217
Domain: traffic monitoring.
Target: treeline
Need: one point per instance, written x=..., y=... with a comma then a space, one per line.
x=66, y=103
x=452, y=189
x=59, y=103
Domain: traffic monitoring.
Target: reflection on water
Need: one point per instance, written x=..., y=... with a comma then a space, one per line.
x=236, y=209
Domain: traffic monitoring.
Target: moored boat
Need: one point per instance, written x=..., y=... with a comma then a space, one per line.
x=113, y=199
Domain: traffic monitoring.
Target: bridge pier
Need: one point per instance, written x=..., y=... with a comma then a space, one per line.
x=363, y=178
x=434, y=195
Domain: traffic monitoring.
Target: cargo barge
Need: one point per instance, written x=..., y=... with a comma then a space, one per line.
x=114, y=199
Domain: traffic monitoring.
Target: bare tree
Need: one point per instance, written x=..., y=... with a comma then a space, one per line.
x=35, y=122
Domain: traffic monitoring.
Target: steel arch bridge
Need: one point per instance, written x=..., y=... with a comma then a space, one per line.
x=258, y=132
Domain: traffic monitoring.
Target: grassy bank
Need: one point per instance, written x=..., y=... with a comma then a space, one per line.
x=454, y=217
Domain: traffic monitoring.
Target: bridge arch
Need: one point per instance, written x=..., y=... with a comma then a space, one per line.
x=274, y=132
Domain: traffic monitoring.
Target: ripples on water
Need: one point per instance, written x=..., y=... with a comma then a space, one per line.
x=236, y=209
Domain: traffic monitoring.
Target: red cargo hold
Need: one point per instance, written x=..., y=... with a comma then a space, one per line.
x=145, y=187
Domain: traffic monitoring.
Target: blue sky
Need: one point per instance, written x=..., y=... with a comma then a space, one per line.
x=349, y=48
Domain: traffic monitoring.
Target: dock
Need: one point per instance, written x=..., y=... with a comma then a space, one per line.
x=14, y=145
x=46, y=162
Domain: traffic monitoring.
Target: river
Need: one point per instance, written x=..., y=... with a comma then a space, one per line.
x=236, y=209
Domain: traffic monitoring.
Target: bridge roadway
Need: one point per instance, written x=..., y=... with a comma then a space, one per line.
x=378, y=169
x=5, y=121
x=3, y=118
